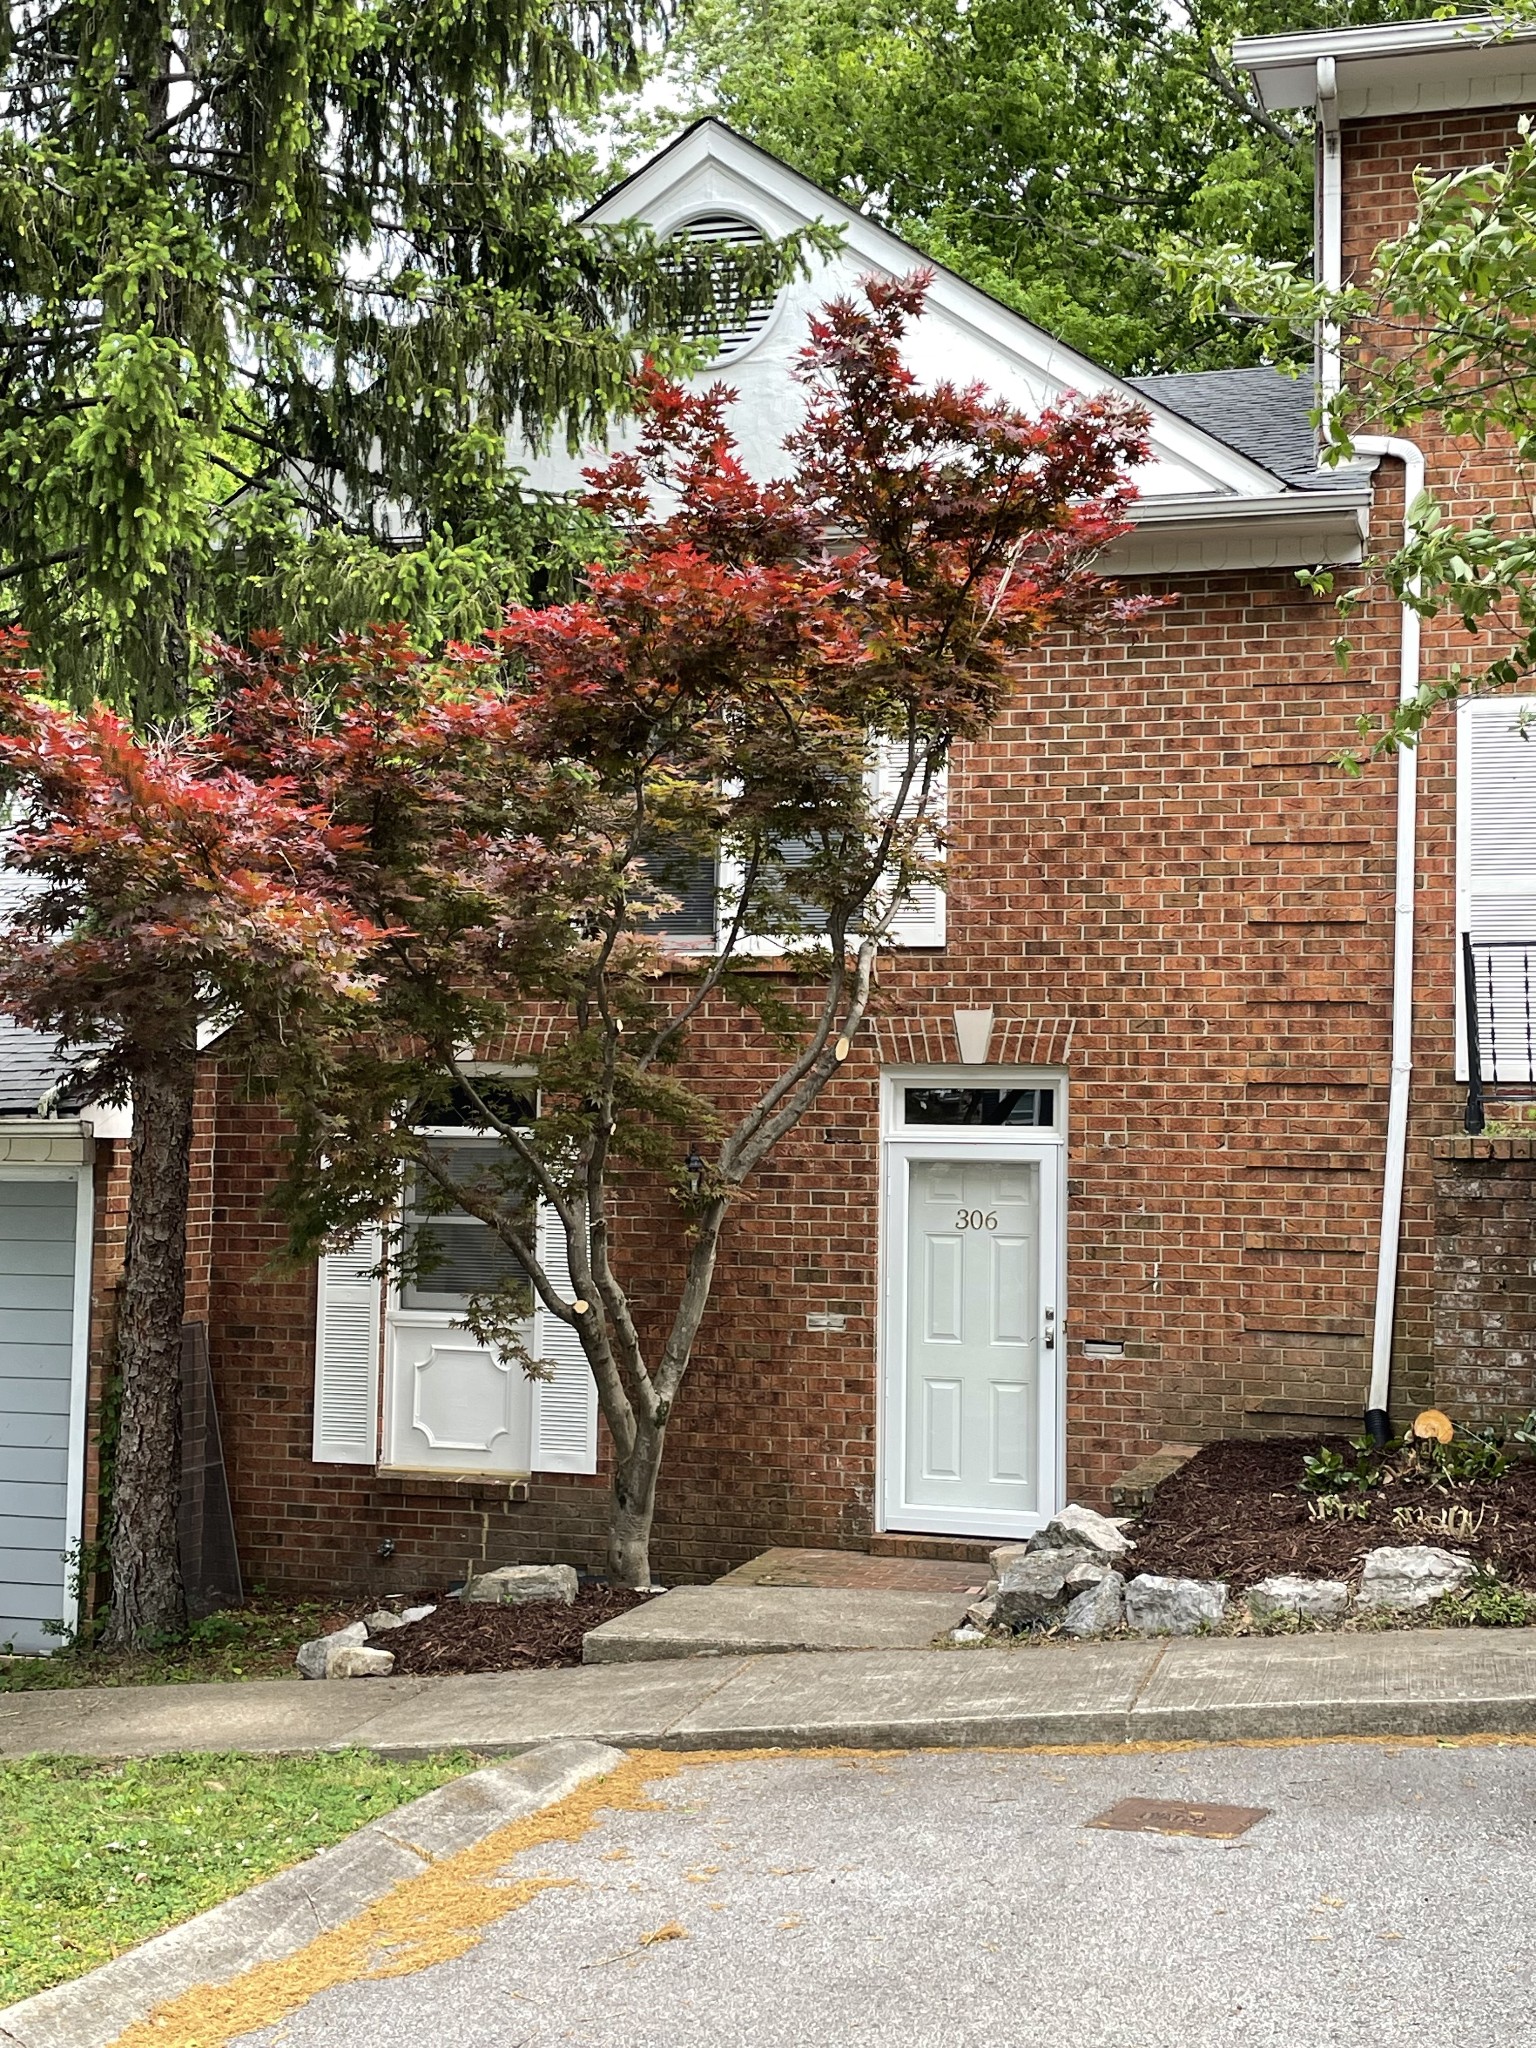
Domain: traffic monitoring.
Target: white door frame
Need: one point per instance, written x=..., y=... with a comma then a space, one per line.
x=899, y=1145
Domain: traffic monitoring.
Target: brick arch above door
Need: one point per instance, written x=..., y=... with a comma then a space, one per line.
x=927, y=1038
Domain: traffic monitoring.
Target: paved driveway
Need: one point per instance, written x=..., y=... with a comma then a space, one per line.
x=958, y=1900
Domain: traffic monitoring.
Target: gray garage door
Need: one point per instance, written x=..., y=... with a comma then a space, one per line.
x=37, y=1278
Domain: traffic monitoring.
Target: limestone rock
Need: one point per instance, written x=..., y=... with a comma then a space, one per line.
x=514, y=1585
x=411, y=1614
x=1084, y=1574
x=967, y=1634
x=1287, y=1596
x=1174, y=1607
x=355, y=1660
x=982, y=1613
x=381, y=1620
x=1032, y=1589
x=1078, y=1528
x=1005, y=1555
x=314, y=1656
x=1096, y=1610
x=1411, y=1576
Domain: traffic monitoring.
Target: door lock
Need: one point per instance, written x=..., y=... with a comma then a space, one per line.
x=1050, y=1329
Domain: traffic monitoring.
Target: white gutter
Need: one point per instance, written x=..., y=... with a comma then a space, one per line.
x=1330, y=217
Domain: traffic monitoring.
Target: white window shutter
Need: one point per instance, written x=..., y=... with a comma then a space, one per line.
x=919, y=919
x=565, y=1405
x=347, y=1345
x=1497, y=894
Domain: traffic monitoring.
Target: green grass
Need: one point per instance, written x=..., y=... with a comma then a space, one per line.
x=254, y=1641
x=97, y=1856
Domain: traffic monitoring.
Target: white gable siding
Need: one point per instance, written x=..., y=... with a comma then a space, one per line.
x=964, y=337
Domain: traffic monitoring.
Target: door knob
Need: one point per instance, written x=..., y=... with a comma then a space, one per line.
x=1050, y=1329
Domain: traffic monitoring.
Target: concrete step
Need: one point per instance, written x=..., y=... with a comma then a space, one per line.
x=727, y=1620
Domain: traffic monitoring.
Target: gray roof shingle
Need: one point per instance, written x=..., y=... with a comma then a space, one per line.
x=30, y=1065
x=1261, y=413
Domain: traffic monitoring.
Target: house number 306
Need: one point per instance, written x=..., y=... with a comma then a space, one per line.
x=975, y=1219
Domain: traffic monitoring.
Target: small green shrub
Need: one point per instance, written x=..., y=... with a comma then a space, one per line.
x=1473, y=1457
x=1486, y=1602
x=1330, y=1471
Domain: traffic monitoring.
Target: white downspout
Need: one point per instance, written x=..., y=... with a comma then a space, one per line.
x=1396, y=448
x=1403, y=906
x=1330, y=252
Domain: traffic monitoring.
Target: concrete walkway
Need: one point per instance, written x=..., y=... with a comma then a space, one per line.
x=1416, y=1682
x=752, y=1619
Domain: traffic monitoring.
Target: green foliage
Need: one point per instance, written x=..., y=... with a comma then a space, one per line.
x=1042, y=148
x=1486, y=1602
x=1337, y=1479
x=1441, y=332
x=1332, y=1471
x=283, y=290
x=97, y=1856
x=1471, y=1458
x=257, y=1640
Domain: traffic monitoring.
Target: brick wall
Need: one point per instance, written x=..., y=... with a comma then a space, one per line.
x=1153, y=848
x=1485, y=1275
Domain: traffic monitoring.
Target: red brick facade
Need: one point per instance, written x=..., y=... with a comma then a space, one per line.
x=1157, y=875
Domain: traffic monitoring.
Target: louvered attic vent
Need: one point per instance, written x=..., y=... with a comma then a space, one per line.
x=741, y=326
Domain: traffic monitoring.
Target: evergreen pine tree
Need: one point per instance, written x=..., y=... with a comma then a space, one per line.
x=284, y=287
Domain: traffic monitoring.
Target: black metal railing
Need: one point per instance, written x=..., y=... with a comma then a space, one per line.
x=1499, y=986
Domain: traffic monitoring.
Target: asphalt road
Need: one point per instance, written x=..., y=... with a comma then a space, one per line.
x=958, y=1900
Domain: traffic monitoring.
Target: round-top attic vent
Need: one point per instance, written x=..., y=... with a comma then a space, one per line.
x=738, y=326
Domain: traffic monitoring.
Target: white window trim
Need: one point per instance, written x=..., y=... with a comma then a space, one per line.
x=1466, y=711
x=769, y=946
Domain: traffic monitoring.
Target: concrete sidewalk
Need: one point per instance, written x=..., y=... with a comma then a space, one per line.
x=1414, y=1682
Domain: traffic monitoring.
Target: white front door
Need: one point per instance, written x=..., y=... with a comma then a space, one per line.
x=971, y=1443
x=452, y=1404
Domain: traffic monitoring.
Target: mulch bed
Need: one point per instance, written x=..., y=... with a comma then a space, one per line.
x=1235, y=1512
x=538, y=1636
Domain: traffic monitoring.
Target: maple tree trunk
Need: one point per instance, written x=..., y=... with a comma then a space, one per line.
x=147, y=1595
x=634, y=1507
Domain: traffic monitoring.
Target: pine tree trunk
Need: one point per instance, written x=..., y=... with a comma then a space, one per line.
x=147, y=1595
x=634, y=1508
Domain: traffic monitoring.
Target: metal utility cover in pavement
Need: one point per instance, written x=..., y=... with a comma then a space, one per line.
x=1179, y=1817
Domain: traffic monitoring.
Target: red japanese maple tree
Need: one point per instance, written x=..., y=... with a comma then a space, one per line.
x=765, y=686
x=165, y=895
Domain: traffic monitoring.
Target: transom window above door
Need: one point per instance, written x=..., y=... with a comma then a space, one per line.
x=450, y=1254
x=926, y=1105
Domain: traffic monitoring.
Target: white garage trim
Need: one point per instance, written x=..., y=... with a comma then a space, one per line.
x=46, y=1151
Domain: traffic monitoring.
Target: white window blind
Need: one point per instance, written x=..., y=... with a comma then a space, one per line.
x=347, y=1342
x=565, y=1405
x=920, y=917
x=1496, y=875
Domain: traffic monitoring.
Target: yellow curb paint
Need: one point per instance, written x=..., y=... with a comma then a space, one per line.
x=444, y=1911
x=430, y=1918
